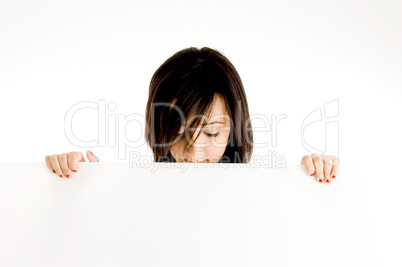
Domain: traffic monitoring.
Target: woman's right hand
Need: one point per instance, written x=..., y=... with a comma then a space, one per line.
x=66, y=163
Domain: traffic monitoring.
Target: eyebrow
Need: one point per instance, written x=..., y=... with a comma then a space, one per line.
x=213, y=122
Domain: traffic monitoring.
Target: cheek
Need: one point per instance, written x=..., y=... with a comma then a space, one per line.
x=215, y=151
x=218, y=145
x=177, y=149
x=222, y=139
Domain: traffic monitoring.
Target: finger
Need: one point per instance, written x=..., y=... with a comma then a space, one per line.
x=64, y=166
x=335, y=166
x=307, y=161
x=54, y=160
x=73, y=159
x=327, y=161
x=318, y=166
x=91, y=157
x=48, y=164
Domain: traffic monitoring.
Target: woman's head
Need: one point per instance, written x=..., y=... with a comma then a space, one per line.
x=195, y=95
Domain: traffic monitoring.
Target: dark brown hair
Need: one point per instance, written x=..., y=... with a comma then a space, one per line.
x=183, y=87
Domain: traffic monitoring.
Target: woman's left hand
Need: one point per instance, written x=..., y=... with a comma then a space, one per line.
x=323, y=166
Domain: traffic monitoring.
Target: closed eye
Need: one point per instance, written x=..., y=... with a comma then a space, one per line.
x=212, y=135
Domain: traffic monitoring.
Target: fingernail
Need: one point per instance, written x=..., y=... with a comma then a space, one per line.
x=74, y=170
x=333, y=176
x=61, y=175
x=312, y=174
x=320, y=180
x=328, y=180
x=54, y=171
x=68, y=176
x=91, y=153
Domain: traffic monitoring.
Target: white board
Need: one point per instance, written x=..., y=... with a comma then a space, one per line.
x=111, y=214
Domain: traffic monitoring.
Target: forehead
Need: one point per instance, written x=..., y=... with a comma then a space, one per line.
x=218, y=111
x=218, y=106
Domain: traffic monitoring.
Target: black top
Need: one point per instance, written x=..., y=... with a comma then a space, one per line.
x=169, y=158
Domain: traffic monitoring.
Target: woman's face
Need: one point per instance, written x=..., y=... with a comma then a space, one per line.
x=211, y=144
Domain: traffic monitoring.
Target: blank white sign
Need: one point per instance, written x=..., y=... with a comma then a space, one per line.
x=111, y=214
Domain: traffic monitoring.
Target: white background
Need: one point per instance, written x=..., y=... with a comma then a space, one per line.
x=293, y=57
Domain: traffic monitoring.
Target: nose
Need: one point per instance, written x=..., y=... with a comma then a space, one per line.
x=194, y=156
x=197, y=154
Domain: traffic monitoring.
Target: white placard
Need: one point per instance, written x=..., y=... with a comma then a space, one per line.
x=109, y=214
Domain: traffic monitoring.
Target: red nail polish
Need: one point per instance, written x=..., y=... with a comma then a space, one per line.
x=68, y=176
x=74, y=170
x=61, y=175
x=320, y=180
x=328, y=181
x=312, y=174
x=333, y=176
x=91, y=153
x=54, y=171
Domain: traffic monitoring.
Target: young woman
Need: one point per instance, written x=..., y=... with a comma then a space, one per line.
x=197, y=111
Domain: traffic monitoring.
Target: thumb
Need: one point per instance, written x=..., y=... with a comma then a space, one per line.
x=91, y=157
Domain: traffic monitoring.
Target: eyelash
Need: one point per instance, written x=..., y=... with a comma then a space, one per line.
x=212, y=135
